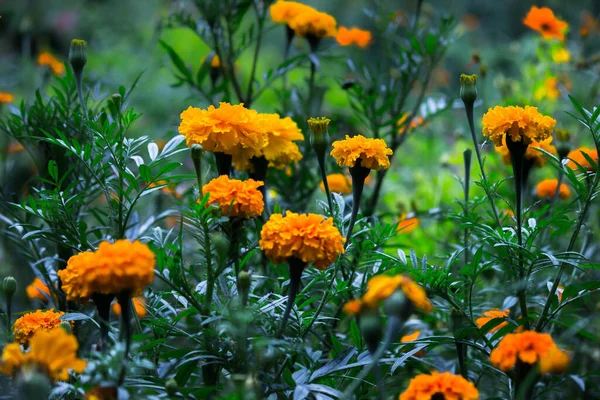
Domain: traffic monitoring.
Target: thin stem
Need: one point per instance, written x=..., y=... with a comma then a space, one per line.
x=359, y=174
x=79, y=85
x=467, y=161
x=9, y=314
x=210, y=279
x=296, y=268
x=323, y=301
x=261, y=23
x=102, y=302
x=321, y=161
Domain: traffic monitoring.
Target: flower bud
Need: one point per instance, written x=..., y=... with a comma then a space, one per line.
x=371, y=329
x=197, y=152
x=66, y=326
x=117, y=99
x=468, y=88
x=563, y=135
x=319, y=139
x=171, y=387
x=483, y=70
x=78, y=54
x=221, y=245
x=398, y=305
x=9, y=286
x=31, y=384
x=245, y=279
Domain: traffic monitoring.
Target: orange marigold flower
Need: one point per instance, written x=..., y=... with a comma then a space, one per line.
x=348, y=37
x=338, y=183
x=373, y=153
x=490, y=315
x=47, y=59
x=532, y=152
x=414, y=123
x=138, y=302
x=381, y=287
x=353, y=307
x=6, y=97
x=25, y=327
x=311, y=238
x=112, y=269
x=313, y=23
x=548, y=90
x=283, y=12
x=545, y=22
x=546, y=189
x=54, y=352
x=426, y=386
x=407, y=225
x=522, y=124
x=528, y=347
x=232, y=130
x=38, y=290
x=235, y=198
x=554, y=361
x=576, y=156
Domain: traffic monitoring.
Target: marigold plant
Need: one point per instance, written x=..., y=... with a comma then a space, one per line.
x=25, y=327
x=234, y=197
x=372, y=153
x=546, y=189
x=440, y=385
x=521, y=124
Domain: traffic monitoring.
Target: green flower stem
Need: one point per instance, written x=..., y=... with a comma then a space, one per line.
x=223, y=162
x=124, y=300
x=323, y=300
x=321, y=160
x=236, y=225
x=359, y=174
x=210, y=278
x=79, y=84
x=525, y=378
x=467, y=162
x=102, y=302
x=9, y=315
x=296, y=267
x=261, y=166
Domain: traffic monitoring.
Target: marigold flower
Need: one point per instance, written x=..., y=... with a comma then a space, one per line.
x=232, y=130
x=548, y=90
x=414, y=123
x=528, y=347
x=54, y=352
x=353, y=307
x=545, y=22
x=426, y=387
x=546, y=189
x=235, y=198
x=522, y=124
x=348, y=37
x=532, y=153
x=411, y=337
x=561, y=55
x=373, y=153
x=138, y=302
x=338, y=183
x=6, y=97
x=314, y=24
x=381, y=287
x=490, y=315
x=38, y=290
x=311, y=238
x=112, y=269
x=282, y=12
x=407, y=225
x=576, y=156
x=554, y=361
x=47, y=59
x=25, y=327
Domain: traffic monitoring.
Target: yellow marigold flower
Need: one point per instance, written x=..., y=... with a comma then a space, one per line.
x=545, y=22
x=531, y=153
x=373, y=153
x=522, y=124
x=490, y=315
x=12, y=359
x=546, y=189
x=348, y=37
x=311, y=238
x=234, y=197
x=554, y=361
x=283, y=12
x=313, y=23
x=338, y=183
x=215, y=62
x=6, y=97
x=47, y=59
x=576, y=156
x=414, y=123
x=407, y=225
x=549, y=89
x=138, y=302
x=112, y=269
x=232, y=130
x=561, y=55
x=37, y=289
x=25, y=327
x=528, y=347
x=381, y=287
x=445, y=385
x=353, y=307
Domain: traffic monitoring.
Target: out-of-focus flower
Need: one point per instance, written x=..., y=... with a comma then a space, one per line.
x=407, y=225
x=25, y=327
x=561, y=55
x=311, y=238
x=338, y=183
x=38, y=290
x=282, y=12
x=522, y=124
x=546, y=189
x=102, y=393
x=411, y=337
x=235, y=198
x=372, y=153
x=6, y=97
x=353, y=307
x=445, y=385
x=381, y=287
x=589, y=24
x=490, y=315
x=576, y=156
x=470, y=22
x=46, y=59
x=545, y=22
x=548, y=89
x=414, y=123
x=314, y=24
x=531, y=153
x=138, y=302
x=559, y=290
x=353, y=36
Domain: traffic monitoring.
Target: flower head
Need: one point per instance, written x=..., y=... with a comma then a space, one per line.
x=548, y=89
x=532, y=153
x=313, y=23
x=234, y=197
x=546, y=189
x=522, y=124
x=545, y=22
x=576, y=157
x=311, y=238
x=348, y=37
x=353, y=307
x=561, y=55
x=138, y=302
x=407, y=225
x=426, y=387
x=6, y=97
x=25, y=327
x=490, y=315
x=381, y=287
x=411, y=337
x=282, y=12
x=338, y=183
x=38, y=290
x=528, y=347
x=47, y=59
x=373, y=153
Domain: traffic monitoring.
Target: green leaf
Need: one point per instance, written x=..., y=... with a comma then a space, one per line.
x=178, y=62
x=53, y=170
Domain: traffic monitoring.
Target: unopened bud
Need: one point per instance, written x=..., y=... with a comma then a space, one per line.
x=245, y=279
x=468, y=88
x=371, y=329
x=221, y=245
x=171, y=387
x=563, y=135
x=66, y=326
x=319, y=138
x=398, y=305
x=9, y=286
x=197, y=151
x=117, y=99
x=78, y=54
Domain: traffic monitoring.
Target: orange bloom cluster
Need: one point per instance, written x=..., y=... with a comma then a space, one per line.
x=522, y=124
x=576, y=156
x=114, y=268
x=338, y=183
x=303, y=20
x=234, y=197
x=373, y=153
x=544, y=21
x=25, y=327
x=6, y=97
x=38, y=290
x=138, y=302
x=490, y=315
x=54, y=352
x=449, y=386
x=353, y=307
x=546, y=189
x=529, y=347
x=348, y=37
x=311, y=238
x=47, y=59
x=282, y=12
x=548, y=89
x=407, y=225
x=531, y=153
